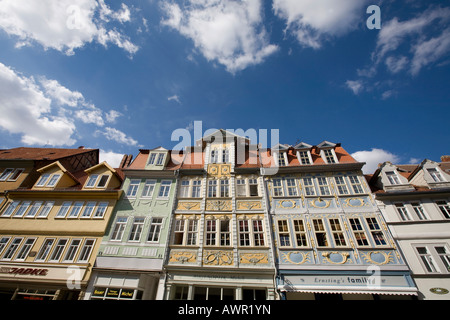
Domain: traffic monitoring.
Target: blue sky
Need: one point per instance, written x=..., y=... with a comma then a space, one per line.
x=123, y=75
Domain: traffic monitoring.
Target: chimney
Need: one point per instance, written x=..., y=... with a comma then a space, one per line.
x=81, y=147
x=445, y=158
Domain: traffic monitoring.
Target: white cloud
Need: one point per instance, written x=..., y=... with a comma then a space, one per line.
x=94, y=116
x=227, y=31
x=374, y=157
x=174, y=98
x=118, y=136
x=112, y=115
x=355, y=85
x=314, y=21
x=395, y=64
x=63, y=25
x=27, y=111
x=111, y=157
x=61, y=94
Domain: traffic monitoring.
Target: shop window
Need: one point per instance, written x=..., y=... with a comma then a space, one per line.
x=213, y=293
x=102, y=293
x=181, y=293
x=254, y=294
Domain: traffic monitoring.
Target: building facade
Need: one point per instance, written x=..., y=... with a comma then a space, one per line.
x=130, y=263
x=415, y=201
x=331, y=241
x=50, y=233
x=220, y=245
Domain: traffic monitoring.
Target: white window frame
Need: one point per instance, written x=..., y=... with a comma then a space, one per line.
x=320, y=228
x=255, y=237
x=323, y=186
x=427, y=259
x=44, y=250
x=357, y=185
x=277, y=187
x=300, y=233
x=25, y=249
x=22, y=209
x=376, y=229
x=47, y=207
x=14, y=249
x=225, y=188
x=58, y=250
x=119, y=228
x=6, y=173
x=88, y=209
x=149, y=188
x=359, y=232
x=133, y=188
x=436, y=175
x=3, y=243
x=160, y=159
x=309, y=186
x=420, y=211
x=304, y=157
x=341, y=185
x=329, y=156
x=34, y=209
x=402, y=211
x=9, y=178
x=282, y=160
x=11, y=207
x=63, y=210
x=291, y=187
x=72, y=250
x=164, y=189
x=86, y=250
x=284, y=235
x=97, y=184
x=187, y=230
x=75, y=210
x=53, y=180
x=337, y=232
x=137, y=227
x=152, y=158
x=444, y=208
x=392, y=177
x=101, y=209
x=154, y=230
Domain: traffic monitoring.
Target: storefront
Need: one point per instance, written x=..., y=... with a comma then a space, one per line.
x=346, y=285
x=41, y=282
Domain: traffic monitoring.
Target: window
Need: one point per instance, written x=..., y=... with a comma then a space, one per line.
x=445, y=208
x=304, y=157
x=59, y=249
x=34, y=209
x=427, y=260
x=164, y=189
x=211, y=232
x=254, y=294
x=243, y=191
x=240, y=188
x=392, y=177
x=435, y=174
x=185, y=232
x=300, y=233
x=64, y=209
x=11, y=208
x=208, y=293
x=418, y=209
x=52, y=181
x=309, y=186
x=22, y=208
x=323, y=186
x=15, y=175
x=358, y=231
x=148, y=188
x=102, y=181
x=15, y=244
x=217, y=232
x=281, y=159
x=46, y=209
x=3, y=243
x=225, y=156
x=151, y=159
x=251, y=232
x=119, y=227
x=196, y=187
x=253, y=186
x=91, y=181
x=45, y=250
x=225, y=232
x=86, y=250
x=337, y=232
x=160, y=160
x=340, y=185
x=283, y=233
x=214, y=156
x=43, y=180
x=291, y=187
x=181, y=293
x=5, y=174
x=155, y=229
x=212, y=188
x=88, y=209
x=184, y=189
x=277, y=187
x=444, y=255
x=329, y=156
x=321, y=234
x=76, y=209
x=101, y=209
x=23, y=253
x=72, y=250
x=356, y=184
x=133, y=188
x=224, y=188
x=376, y=232
x=136, y=229
x=403, y=213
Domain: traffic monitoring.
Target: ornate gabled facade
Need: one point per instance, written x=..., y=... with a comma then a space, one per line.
x=50, y=232
x=130, y=263
x=415, y=202
x=331, y=241
x=220, y=246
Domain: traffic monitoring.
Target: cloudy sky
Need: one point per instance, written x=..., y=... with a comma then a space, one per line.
x=124, y=75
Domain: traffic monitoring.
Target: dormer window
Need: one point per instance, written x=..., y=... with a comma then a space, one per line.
x=435, y=174
x=48, y=180
x=214, y=156
x=392, y=177
x=328, y=155
x=97, y=181
x=304, y=157
x=281, y=159
x=156, y=158
x=220, y=155
x=160, y=160
x=11, y=174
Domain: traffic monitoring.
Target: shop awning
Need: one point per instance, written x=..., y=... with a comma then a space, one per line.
x=349, y=290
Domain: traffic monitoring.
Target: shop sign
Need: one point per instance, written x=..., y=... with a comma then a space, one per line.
x=127, y=293
x=112, y=293
x=24, y=271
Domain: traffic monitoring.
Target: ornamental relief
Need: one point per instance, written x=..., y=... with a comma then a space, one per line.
x=335, y=257
x=378, y=257
x=355, y=203
x=219, y=170
x=248, y=205
x=320, y=203
x=218, y=205
x=296, y=257
x=218, y=257
x=189, y=205
x=183, y=257
x=254, y=258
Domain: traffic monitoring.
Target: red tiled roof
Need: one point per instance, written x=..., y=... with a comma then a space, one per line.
x=23, y=153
